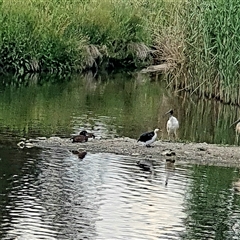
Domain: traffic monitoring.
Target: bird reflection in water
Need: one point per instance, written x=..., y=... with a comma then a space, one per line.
x=145, y=164
x=170, y=169
x=81, y=154
x=236, y=186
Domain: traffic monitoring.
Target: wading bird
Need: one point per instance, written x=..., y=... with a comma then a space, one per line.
x=172, y=125
x=237, y=128
x=148, y=137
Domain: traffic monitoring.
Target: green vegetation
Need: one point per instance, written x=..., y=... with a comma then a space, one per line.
x=60, y=35
x=210, y=202
x=199, y=38
x=212, y=49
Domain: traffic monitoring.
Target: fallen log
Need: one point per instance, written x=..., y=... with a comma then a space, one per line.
x=157, y=68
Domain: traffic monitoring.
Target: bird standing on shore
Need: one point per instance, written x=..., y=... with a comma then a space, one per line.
x=237, y=128
x=148, y=137
x=172, y=125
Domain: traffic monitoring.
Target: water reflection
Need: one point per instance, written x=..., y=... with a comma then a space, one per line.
x=53, y=194
x=212, y=205
x=111, y=105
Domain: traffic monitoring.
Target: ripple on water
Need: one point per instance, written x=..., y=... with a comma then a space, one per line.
x=104, y=196
x=100, y=197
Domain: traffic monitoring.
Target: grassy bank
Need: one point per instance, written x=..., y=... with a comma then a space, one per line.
x=200, y=39
x=60, y=35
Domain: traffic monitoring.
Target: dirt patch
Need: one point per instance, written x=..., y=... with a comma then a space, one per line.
x=197, y=153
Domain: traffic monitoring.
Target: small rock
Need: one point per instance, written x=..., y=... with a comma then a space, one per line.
x=29, y=145
x=135, y=154
x=21, y=144
x=31, y=140
x=41, y=138
x=168, y=153
x=55, y=139
x=202, y=149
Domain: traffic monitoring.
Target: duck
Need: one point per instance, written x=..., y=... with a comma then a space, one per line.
x=85, y=133
x=172, y=125
x=80, y=138
x=148, y=138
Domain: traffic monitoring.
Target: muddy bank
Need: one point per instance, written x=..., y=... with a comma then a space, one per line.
x=198, y=153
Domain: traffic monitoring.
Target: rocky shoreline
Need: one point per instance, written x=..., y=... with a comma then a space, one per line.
x=195, y=153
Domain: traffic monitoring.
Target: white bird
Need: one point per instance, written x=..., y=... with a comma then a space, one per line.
x=237, y=128
x=172, y=125
x=148, y=137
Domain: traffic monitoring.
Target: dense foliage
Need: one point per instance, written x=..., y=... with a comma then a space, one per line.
x=198, y=38
x=60, y=35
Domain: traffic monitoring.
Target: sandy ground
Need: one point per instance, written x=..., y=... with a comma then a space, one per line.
x=197, y=153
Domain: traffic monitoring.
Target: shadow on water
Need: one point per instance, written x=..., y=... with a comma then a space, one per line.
x=55, y=195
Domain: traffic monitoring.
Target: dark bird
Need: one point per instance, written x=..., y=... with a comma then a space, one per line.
x=80, y=138
x=148, y=137
x=85, y=133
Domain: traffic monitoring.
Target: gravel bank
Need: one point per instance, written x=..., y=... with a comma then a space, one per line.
x=198, y=153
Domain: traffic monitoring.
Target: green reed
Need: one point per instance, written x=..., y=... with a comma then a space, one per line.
x=199, y=39
x=212, y=48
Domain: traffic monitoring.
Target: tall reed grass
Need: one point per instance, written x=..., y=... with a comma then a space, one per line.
x=212, y=49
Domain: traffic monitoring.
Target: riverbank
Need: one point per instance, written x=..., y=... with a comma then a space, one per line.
x=194, y=153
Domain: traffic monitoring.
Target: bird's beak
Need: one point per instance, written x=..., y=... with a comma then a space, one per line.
x=168, y=112
x=235, y=122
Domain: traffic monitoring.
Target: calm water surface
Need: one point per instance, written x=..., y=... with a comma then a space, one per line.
x=110, y=105
x=51, y=194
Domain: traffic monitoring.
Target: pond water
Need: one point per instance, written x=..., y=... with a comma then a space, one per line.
x=51, y=194
x=110, y=105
